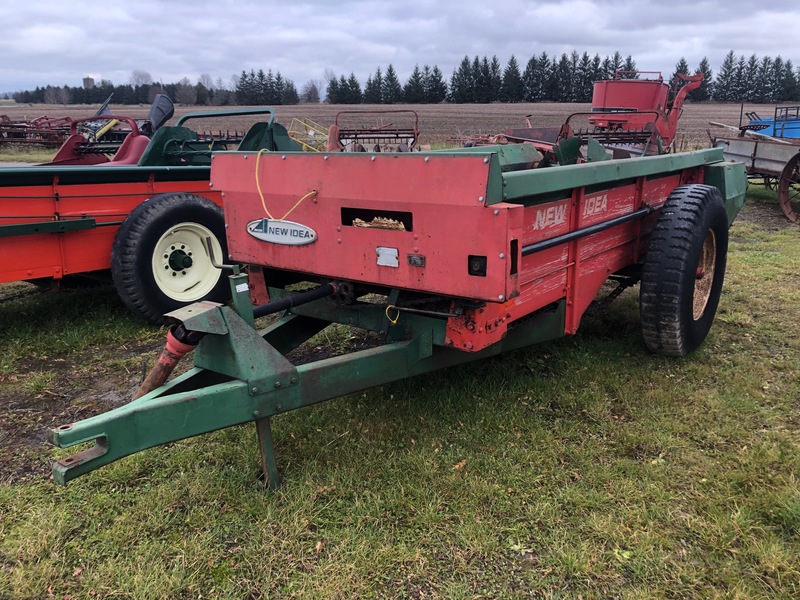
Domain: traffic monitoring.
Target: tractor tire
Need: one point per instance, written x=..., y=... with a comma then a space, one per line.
x=683, y=270
x=159, y=259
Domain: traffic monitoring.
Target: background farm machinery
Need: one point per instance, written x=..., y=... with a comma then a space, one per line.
x=770, y=150
x=44, y=131
x=138, y=205
x=447, y=257
x=629, y=117
x=359, y=131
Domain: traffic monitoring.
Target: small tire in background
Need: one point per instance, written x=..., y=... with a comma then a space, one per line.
x=159, y=259
x=683, y=270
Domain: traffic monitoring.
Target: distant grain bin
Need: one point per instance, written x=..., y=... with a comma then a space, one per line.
x=88, y=83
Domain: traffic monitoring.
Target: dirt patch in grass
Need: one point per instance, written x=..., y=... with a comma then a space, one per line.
x=767, y=215
x=53, y=391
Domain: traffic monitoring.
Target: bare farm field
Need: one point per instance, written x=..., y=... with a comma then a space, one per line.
x=441, y=123
x=579, y=468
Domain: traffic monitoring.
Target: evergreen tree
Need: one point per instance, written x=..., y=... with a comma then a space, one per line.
x=462, y=85
x=529, y=80
x=344, y=91
x=373, y=93
x=246, y=88
x=495, y=79
x=681, y=67
x=391, y=91
x=789, y=90
x=546, y=77
x=574, y=60
x=777, y=75
x=354, y=95
x=584, y=78
x=333, y=95
x=435, y=87
x=606, y=69
x=630, y=67
x=597, y=70
x=414, y=90
x=511, y=89
x=750, y=81
x=706, y=89
x=762, y=90
x=259, y=88
x=724, y=84
x=562, y=80
x=740, y=80
x=290, y=95
x=480, y=80
x=278, y=89
x=615, y=64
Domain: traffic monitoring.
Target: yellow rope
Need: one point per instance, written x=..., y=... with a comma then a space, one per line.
x=397, y=317
x=261, y=194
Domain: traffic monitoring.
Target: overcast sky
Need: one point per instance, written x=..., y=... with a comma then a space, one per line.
x=59, y=42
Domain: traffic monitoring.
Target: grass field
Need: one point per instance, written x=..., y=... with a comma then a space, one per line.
x=584, y=467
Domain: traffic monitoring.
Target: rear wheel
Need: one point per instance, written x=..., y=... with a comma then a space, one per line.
x=789, y=189
x=159, y=260
x=683, y=270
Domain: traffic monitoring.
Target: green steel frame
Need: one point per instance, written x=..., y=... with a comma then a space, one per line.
x=242, y=375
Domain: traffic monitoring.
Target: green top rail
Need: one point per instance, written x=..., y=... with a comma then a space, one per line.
x=228, y=113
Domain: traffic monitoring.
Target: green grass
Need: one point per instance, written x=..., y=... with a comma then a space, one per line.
x=28, y=155
x=583, y=467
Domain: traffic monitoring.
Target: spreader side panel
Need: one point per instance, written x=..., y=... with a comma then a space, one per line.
x=402, y=221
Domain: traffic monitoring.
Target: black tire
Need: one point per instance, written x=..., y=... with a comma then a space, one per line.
x=678, y=297
x=159, y=259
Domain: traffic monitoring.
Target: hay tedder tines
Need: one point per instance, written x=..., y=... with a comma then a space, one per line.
x=350, y=132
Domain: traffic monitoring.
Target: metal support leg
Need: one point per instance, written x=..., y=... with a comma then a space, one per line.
x=272, y=478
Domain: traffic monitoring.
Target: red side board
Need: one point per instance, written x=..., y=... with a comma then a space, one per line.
x=443, y=201
x=54, y=255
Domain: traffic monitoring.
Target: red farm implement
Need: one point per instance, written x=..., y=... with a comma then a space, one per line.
x=135, y=201
x=629, y=117
x=448, y=257
x=49, y=132
x=355, y=131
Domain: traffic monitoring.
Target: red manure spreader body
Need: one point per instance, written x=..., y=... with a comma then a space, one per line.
x=446, y=256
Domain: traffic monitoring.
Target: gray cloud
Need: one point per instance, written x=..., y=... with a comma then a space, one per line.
x=59, y=42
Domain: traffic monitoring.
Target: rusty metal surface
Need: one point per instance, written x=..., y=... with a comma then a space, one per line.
x=760, y=157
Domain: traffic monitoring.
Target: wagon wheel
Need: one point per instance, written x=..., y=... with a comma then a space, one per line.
x=789, y=189
x=683, y=270
x=159, y=260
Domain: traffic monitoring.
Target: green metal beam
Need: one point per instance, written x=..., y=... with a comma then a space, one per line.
x=248, y=380
x=47, y=227
x=530, y=184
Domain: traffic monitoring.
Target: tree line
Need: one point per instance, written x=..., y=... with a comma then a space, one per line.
x=566, y=78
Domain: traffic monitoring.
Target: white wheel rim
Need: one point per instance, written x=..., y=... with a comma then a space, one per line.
x=182, y=268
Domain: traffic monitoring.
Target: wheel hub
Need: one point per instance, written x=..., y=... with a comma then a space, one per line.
x=181, y=264
x=179, y=259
